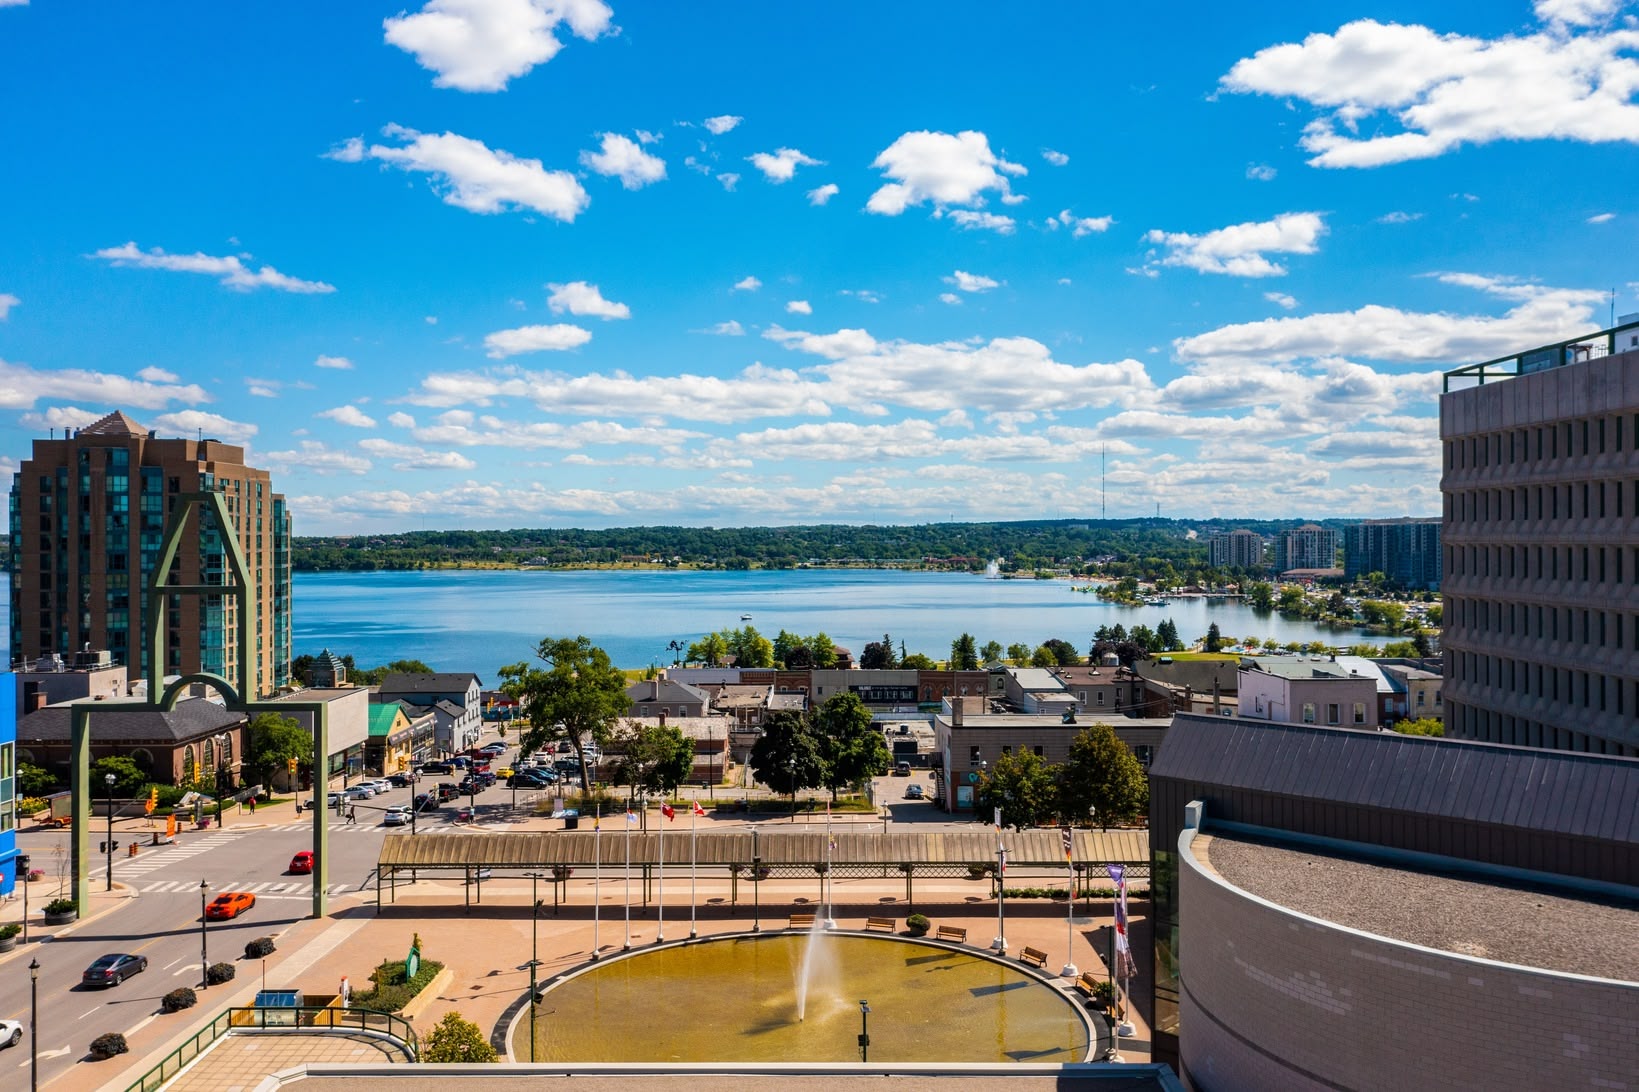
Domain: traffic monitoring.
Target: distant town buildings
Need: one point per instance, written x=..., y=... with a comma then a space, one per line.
x=88, y=516
x=1406, y=551
x=1236, y=550
x=1308, y=547
x=1541, y=540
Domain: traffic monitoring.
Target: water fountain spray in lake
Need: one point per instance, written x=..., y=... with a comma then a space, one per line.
x=812, y=953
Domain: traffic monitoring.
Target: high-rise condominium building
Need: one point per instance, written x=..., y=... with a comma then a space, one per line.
x=1236, y=550
x=1405, y=551
x=1541, y=540
x=88, y=519
x=1306, y=547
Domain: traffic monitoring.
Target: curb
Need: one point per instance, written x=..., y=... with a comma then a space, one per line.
x=122, y=894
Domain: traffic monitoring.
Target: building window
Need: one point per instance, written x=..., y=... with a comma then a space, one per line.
x=1331, y=713
x=1308, y=712
x=1360, y=712
x=1038, y=750
x=1007, y=748
x=1100, y=697
x=973, y=756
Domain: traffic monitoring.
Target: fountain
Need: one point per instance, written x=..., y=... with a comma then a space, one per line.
x=993, y=570
x=794, y=997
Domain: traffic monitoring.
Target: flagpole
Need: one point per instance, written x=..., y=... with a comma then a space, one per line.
x=694, y=822
x=628, y=896
x=1000, y=943
x=660, y=927
x=597, y=874
x=1070, y=969
x=830, y=843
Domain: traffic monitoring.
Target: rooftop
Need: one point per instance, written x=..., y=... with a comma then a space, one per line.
x=1546, y=357
x=1478, y=917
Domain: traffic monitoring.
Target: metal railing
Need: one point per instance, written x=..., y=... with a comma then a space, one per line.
x=300, y=1018
x=1572, y=351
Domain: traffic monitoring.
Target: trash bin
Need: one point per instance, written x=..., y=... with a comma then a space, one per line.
x=571, y=822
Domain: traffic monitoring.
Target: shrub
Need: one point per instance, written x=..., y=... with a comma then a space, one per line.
x=9, y=930
x=259, y=948
x=390, y=992
x=456, y=1040
x=31, y=805
x=917, y=924
x=60, y=906
x=218, y=973
x=108, y=1045
x=178, y=999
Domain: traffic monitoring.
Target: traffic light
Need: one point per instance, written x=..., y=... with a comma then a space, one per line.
x=290, y=764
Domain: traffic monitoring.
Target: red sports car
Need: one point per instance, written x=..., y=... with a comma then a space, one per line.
x=302, y=863
x=229, y=904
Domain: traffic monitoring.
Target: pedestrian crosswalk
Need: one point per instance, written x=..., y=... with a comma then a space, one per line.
x=162, y=857
x=272, y=889
x=436, y=827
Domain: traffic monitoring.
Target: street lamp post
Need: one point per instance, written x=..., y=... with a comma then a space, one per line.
x=534, y=954
x=204, y=959
x=756, y=892
x=864, y=1031
x=220, y=739
x=34, y=1025
x=109, y=780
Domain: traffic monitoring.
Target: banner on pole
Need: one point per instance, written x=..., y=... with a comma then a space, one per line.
x=1065, y=837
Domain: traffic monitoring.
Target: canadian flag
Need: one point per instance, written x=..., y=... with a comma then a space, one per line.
x=698, y=810
x=666, y=810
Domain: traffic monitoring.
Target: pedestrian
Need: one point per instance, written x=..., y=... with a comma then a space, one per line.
x=253, y=805
x=352, y=816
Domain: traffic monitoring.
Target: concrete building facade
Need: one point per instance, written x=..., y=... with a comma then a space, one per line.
x=1307, y=547
x=1541, y=538
x=1236, y=550
x=1406, y=551
x=87, y=521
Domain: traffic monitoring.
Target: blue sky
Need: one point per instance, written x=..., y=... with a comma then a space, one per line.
x=510, y=263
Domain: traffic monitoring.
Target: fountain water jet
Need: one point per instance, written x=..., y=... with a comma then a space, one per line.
x=805, y=970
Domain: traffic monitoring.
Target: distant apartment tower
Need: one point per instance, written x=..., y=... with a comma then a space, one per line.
x=1541, y=541
x=1236, y=550
x=1305, y=547
x=1406, y=551
x=87, y=525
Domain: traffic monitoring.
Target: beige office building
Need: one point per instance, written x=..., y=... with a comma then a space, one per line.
x=87, y=526
x=1541, y=543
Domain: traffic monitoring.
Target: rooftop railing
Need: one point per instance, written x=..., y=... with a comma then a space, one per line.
x=1577, y=350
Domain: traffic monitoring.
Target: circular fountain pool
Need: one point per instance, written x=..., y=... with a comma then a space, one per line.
x=796, y=997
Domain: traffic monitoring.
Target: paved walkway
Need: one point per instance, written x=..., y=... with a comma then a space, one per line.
x=240, y=1061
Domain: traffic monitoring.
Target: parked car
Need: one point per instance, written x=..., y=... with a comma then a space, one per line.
x=359, y=792
x=471, y=786
x=913, y=792
x=565, y=747
x=486, y=775
x=396, y=816
x=229, y=904
x=437, y=767
x=11, y=1032
x=302, y=863
x=332, y=799
x=902, y=769
x=427, y=801
x=111, y=970
x=448, y=790
x=402, y=780
x=382, y=785
x=494, y=748
x=530, y=779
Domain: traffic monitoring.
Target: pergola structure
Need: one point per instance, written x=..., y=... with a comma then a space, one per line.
x=744, y=854
x=236, y=696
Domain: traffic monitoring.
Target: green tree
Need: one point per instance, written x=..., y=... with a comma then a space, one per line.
x=786, y=757
x=274, y=741
x=851, y=746
x=1064, y=653
x=786, y=645
x=822, y=651
x=711, y=650
x=456, y=1040
x=1018, y=654
x=1422, y=726
x=1022, y=785
x=654, y=758
x=578, y=697
x=1291, y=599
x=878, y=655
x=1043, y=657
x=990, y=653
x=34, y=780
x=374, y=676
x=128, y=779
x=1167, y=634
x=1214, y=639
x=964, y=654
x=1261, y=595
x=750, y=648
x=916, y=661
x=1102, y=779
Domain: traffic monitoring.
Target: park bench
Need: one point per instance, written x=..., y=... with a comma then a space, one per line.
x=1033, y=956
x=802, y=921
x=881, y=925
x=951, y=932
x=1088, y=984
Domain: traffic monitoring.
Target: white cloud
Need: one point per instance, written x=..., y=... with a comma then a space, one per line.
x=1260, y=172
x=822, y=194
x=747, y=284
x=729, y=180
x=580, y=298
x=401, y=420
x=471, y=176
x=1281, y=299
x=782, y=164
x=430, y=320
x=411, y=457
x=157, y=375
x=21, y=387
x=624, y=158
x=212, y=425
x=863, y=295
x=799, y=307
x=231, y=270
x=941, y=168
x=335, y=363
x=1399, y=217
x=972, y=282
x=951, y=298
x=478, y=45
x=1079, y=225
x=314, y=457
x=978, y=219
x=7, y=302
x=534, y=339
x=1057, y=159
x=351, y=416
x=262, y=388
x=13, y=3
x=1447, y=90
x=1600, y=218
x=730, y=328
x=1374, y=332
x=60, y=417
x=722, y=123
x=1239, y=250
x=350, y=150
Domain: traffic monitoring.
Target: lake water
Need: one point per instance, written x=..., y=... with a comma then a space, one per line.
x=480, y=620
